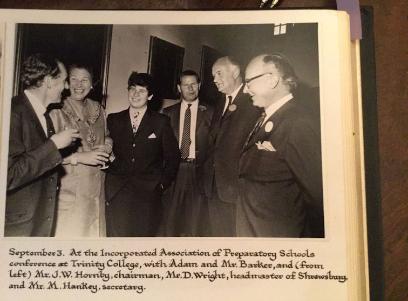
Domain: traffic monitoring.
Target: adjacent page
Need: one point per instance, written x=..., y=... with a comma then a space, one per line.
x=326, y=261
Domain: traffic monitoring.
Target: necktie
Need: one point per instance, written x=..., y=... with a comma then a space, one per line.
x=50, y=126
x=135, y=122
x=229, y=103
x=185, y=140
x=256, y=128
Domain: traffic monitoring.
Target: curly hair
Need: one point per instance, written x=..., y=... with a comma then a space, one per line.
x=36, y=67
x=285, y=69
x=143, y=80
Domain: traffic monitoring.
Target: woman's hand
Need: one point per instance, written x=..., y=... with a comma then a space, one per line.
x=107, y=148
x=94, y=157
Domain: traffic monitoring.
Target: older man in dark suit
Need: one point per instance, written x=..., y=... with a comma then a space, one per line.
x=34, y=155
x=280, y=167
x=187, y=210
x=234, y=116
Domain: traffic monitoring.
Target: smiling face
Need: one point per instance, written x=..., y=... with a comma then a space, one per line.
x=189, y=88
x=226, y=76
x=138, y=96
x=80, y=83
x=261, y=82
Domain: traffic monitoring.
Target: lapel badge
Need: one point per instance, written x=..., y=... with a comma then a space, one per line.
x=268, y=126
x=232, y=107
x=202, y=108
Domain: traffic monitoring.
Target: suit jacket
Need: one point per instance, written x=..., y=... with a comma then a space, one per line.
x=32, y=176
x=151, y=155
x=281, y=187
x=203, y=122
x=227, y=136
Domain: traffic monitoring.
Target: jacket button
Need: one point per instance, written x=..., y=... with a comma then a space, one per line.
x=133, y=145
x=107, y=203
x=133, y=159
x=48, y=218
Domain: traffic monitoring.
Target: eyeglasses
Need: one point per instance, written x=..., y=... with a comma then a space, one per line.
x=249, y=80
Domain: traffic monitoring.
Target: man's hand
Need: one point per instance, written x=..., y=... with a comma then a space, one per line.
x=65, y=138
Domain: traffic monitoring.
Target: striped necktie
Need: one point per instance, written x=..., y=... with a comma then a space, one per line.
x=229, y=103
x=185, y=140
x=256, y=128
x=135, y=122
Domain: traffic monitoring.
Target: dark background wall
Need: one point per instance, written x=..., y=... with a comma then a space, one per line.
x=391, y=66
x=130, y=50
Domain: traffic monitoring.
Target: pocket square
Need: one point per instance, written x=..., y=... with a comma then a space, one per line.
x=266, y=146
x=152, y=136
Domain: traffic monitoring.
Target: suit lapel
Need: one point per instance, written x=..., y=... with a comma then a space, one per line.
x=175, y=120
x=200, y=117
x=127, y=123
x=237, y=102
x=33, y=116
x=275, y=119
x=146, y=126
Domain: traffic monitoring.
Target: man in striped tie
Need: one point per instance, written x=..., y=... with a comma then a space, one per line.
x=186, y=209
x=280, y=166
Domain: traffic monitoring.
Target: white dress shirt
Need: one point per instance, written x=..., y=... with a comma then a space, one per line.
x=276, y=106
x=39, y=109
x=140, y=112
x=233, y=94
x=194, y=109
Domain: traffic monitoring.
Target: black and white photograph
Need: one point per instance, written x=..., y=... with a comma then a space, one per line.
x=171, y=154
x=165, y=131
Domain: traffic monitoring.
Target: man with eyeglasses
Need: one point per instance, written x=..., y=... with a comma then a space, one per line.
x=233, y=118
x=280, y=166
x=186, y=212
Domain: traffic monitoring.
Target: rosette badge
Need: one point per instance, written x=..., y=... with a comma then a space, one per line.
x=232, y=107
x=202, y=108
x=268, y=126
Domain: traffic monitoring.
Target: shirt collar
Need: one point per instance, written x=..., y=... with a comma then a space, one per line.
x=234, y=93
x=194, y=103
x=37, y=105
x=277, y=105
x=141, y=111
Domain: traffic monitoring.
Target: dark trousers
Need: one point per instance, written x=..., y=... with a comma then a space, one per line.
x=222, y=216
x=185, y=208
x=134, y=211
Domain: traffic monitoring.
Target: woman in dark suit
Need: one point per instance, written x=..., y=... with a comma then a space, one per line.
x=146, y=162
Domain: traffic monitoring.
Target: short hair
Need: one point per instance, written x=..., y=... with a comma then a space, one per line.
x=141, y=79
x=285, y=69
x=229, y=60
x=83, y=66
x=189, y=72
x=36, y=67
